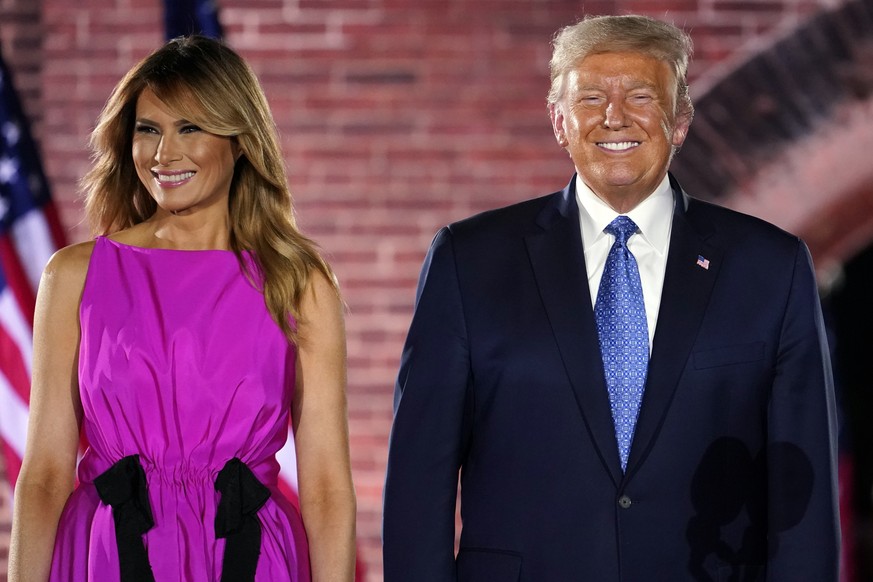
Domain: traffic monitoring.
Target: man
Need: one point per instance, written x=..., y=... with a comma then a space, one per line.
x=632, y=383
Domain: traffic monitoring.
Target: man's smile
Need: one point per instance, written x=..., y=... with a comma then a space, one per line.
x=620, y=146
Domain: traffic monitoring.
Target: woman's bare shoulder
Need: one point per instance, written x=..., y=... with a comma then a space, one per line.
x=322, y=313
x=321, y=295
x=69, y=265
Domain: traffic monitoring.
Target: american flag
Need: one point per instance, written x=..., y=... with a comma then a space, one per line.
x=29, y=233
x=702, y=262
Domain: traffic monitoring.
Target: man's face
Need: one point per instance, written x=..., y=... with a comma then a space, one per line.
x=617, y=120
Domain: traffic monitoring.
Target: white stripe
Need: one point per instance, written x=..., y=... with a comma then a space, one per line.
x=13, y=417
x=34, y=244
x=287, y=457
x=18, y=329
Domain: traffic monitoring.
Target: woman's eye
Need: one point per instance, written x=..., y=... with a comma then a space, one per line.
x=189, y=129
x=144, y=129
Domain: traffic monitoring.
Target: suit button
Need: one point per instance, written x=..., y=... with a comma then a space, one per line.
x=624, y=502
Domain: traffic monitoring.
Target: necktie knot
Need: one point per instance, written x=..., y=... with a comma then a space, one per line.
x=621, y=228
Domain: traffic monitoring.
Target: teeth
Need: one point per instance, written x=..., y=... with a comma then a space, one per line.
x=174, y=177
x=620, y=146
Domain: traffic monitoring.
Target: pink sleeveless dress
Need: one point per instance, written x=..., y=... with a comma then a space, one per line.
x=186, y=385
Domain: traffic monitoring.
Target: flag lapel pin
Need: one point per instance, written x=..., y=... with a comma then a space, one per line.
x=702, y=262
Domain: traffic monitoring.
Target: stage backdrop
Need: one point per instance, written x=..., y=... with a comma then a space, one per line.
x=398, y=116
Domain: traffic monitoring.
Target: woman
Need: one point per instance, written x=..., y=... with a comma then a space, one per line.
x=181, y=340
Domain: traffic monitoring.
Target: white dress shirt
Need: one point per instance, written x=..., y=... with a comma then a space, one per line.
x=654, y=218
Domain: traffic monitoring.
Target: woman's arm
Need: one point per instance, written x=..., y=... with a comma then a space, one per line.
x=327, y=496
x=47, y=471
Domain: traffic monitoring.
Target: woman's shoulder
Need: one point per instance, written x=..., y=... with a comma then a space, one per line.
x=69, y=265
x=321, y=292
x=321, y=307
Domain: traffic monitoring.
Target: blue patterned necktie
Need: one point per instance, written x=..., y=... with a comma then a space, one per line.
x=624, y=337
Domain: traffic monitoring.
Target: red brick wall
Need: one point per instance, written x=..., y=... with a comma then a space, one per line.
x=396, y=117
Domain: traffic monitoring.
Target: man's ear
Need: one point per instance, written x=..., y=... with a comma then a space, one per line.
x=680, y=130
x=556, y=114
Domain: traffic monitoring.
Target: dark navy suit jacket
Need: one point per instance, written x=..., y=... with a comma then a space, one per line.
x=732, y=471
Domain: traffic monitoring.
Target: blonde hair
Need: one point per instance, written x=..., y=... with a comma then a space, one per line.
x=602, y=34
x=208, y=84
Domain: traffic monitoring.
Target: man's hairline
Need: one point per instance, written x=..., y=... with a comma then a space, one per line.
x=671, y=65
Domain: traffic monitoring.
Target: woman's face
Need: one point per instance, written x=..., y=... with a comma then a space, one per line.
x=185, y=169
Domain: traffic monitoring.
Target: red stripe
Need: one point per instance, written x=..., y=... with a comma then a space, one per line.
x=16, y=278
x=13, y=463
x=12, y=364
x=50, y=212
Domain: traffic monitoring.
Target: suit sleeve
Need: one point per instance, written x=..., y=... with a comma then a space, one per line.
x=430, y=429
x=803, y=522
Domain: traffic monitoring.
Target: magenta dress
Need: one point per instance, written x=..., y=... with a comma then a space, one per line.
x=185, y=381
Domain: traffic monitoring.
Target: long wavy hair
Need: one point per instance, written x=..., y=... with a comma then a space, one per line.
x=205, y=82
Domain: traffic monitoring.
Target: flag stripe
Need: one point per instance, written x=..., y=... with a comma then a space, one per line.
x=16, y=328
x=13, y=417
x=34, y=242
x=16, y=277
x=13, y=462
x=50, y=215
x=16, y=373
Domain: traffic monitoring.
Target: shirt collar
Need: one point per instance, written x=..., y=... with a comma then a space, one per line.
x=653, y=216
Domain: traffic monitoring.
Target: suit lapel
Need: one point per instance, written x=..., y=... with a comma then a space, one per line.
x=558, y=262
x=687, y=288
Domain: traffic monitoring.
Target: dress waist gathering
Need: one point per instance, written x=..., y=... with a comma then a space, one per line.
x=183, y=473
